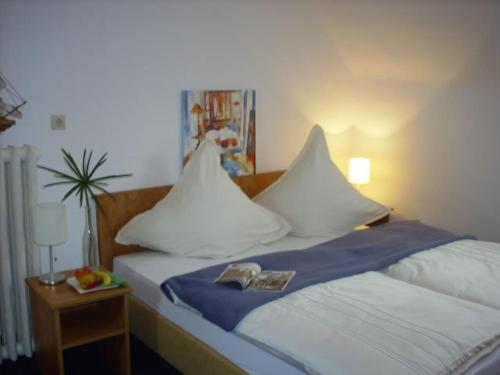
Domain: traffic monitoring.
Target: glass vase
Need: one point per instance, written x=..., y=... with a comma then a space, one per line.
x=89, y=241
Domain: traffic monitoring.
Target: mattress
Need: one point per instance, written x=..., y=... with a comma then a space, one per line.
x=147, y=270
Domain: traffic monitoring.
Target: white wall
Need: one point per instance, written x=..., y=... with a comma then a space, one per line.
x=413, y=85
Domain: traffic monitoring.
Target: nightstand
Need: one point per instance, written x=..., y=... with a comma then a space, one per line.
x=64, y=319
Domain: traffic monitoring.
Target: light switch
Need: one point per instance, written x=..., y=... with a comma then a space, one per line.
x=58, y=122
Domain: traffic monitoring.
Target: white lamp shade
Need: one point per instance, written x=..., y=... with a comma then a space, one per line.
x=359, y=170
x=49, y=224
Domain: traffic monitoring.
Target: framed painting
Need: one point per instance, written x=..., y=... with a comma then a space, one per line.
x=228, y=118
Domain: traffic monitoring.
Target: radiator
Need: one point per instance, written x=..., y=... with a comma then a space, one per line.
x=19, y=256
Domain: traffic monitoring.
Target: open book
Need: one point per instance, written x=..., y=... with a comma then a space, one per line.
x=251, y=276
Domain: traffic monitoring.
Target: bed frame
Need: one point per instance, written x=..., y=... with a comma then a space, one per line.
x=174, y=344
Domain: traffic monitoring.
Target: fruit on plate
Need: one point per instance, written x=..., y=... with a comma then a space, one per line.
x=105, y=277
x=89, y=281
x=79, y=273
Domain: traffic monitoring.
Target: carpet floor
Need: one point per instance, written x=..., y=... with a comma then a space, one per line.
x=144, y=362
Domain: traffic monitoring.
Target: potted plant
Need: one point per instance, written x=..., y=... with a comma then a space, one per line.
x=83, y=184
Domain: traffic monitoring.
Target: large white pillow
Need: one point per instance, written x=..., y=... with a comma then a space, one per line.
x=315, y=198
x=205, y=214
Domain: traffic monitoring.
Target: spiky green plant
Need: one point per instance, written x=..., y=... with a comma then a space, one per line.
x=81, y=179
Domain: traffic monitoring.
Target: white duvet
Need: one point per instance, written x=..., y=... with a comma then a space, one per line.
x=465, y=269
x=404, y=320
x=371, y=323
x=375, y=323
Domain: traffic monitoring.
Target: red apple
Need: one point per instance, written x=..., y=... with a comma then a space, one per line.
x=89, y=281
x=79, y=273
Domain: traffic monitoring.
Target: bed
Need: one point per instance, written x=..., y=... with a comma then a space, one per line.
x=183, y=337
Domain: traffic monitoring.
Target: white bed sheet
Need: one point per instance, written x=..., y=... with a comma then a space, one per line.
x=147, y=270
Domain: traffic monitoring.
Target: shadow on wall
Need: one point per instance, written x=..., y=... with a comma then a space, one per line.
x=376, y=65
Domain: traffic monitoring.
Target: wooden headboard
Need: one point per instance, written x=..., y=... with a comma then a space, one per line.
x=123, y=206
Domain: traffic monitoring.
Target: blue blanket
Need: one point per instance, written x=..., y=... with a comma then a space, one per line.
x=357, y=252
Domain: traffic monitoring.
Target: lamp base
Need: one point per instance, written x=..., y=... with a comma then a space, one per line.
x=52, y=278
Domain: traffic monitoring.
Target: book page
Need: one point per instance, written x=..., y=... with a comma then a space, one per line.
x=242, y=273
x=272, y=280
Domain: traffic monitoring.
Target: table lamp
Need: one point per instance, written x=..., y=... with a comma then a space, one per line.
x=49, y=229
x=359, y=171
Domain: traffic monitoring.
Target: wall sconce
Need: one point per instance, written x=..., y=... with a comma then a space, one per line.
x=359, y=171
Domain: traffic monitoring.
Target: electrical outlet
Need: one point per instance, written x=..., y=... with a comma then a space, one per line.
x=58, y=122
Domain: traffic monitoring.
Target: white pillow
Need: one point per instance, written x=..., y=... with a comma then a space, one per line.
x=315, y=198
x=205, y=214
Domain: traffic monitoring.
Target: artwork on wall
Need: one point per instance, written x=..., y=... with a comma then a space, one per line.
x=228, y=118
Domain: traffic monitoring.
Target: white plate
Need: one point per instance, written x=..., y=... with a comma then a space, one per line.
x=74, y=283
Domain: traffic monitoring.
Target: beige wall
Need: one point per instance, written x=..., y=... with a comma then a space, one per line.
x=415, y=85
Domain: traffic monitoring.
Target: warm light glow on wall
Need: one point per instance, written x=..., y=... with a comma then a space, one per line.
x=359, y=171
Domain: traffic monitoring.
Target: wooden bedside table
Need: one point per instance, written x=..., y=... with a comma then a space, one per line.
x=64, y=319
